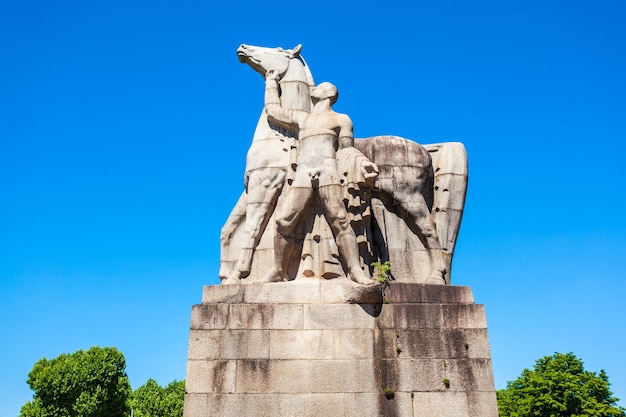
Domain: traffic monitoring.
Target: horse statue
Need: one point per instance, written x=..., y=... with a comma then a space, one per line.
x=414, y=203
x=270, y=157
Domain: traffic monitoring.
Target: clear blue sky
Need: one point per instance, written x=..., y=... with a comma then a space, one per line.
x=124, y=126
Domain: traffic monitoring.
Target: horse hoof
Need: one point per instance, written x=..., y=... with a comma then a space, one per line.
x=435, y=279
x=231, y=281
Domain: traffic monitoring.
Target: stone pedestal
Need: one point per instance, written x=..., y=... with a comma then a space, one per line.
x=332, y=348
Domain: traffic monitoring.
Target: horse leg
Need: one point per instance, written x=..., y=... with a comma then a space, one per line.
x=235, y=219
x=264, y=187
x=293, y=206
x=417, y=213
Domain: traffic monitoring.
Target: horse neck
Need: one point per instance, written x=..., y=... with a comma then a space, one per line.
x=295, y=86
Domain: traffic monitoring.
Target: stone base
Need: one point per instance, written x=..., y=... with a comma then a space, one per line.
x=306, y=349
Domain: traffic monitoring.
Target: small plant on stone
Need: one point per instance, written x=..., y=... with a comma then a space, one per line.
x=389, y=393
x=446, y=383
x=466, y=345
x=382, y=271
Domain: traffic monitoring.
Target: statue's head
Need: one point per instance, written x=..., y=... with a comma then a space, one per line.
x=263, y=59
x=324, y=90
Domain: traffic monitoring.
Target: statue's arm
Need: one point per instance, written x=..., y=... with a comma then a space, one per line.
x=368, y=169
x=346, y=132
x=275, y=111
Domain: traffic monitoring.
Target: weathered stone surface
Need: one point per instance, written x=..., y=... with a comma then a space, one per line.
x=337, y=359
x=320, y=204
x=336, y=316
x=433, y=343
x=205, y=376
x=400, y=292
x=340, y=375
x=302, y=344
x=245, y=344
x=312, y=332
x=197, y=405
x=448, y=404
x=204, y=344
x=301, y=291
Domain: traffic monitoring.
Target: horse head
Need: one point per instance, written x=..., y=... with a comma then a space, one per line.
x=263, y=59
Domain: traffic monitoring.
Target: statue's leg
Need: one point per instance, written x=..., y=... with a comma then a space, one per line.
x=416, y=210
x=264, y=187
x=337, y=218
x=292, y=207
x=234, y=221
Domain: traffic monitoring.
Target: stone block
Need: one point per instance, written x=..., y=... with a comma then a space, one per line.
x=209, y=316
x=401, y=292
x=336, y=316
x=353, y=344
x=411, y=316
x=317, y=405
x=204, y=344
x=482, y=404
x=420, y=375
x=343, y=376
x=470, y=374
x=197, y=405
x=222, y=294
x=296, y=405
x=377, y=405
x=205, y=376
x=273, y=376
x=469, y=343
x=342, y=290
x=244, y=405
x=361, y=402
x=301, y=344
x=300, y=292
x=399, y=405
x=463, y=316
x=250, y=316
x=245, y=344
x=441, y=404
x=433, y=343
x=287, y=316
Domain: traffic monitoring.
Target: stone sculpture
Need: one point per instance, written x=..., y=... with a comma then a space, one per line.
x=392, y=215
x=321, y=131
x=317, y=205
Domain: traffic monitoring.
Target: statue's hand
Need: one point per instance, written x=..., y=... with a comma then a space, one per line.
x=272, y=75
x=369, y=171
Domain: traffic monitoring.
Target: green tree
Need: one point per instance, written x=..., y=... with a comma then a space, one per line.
x=152, y=400
x=90, y=383
x=559, y=386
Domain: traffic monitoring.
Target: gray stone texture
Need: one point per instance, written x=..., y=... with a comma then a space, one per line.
x=319, y=204
x=252, y=356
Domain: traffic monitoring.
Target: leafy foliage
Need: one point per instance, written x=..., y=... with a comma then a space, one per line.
x=90, y=383
x=559, y=386
x=152, y=400
x=382, y=271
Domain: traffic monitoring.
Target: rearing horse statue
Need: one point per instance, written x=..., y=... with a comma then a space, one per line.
x=271, y=157
x=408, y=196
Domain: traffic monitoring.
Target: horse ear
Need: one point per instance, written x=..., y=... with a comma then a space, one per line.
x=296, y=50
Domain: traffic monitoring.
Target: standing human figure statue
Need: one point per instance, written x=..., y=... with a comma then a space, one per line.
x=320, y=134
